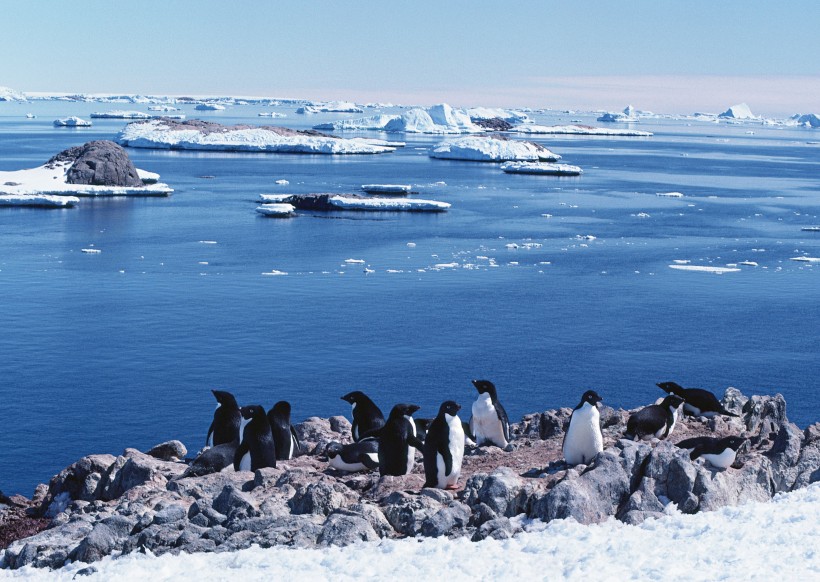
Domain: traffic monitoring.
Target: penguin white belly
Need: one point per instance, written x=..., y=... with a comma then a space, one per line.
x=584, y=439
x=675, y=412
x=292, y=447
x=411, y=459
x=722, y=461
x=210, y=442
x=456, y=447
x=245, y=463
x=694, y=410
x=337, y=463
x=486, y=425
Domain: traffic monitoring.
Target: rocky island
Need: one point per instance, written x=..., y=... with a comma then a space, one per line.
x=150, y=501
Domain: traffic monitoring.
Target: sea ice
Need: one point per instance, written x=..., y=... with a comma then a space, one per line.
x=117, y=114
x=704, y=268
x=440, y=119
x=541, y=168
x=488, y=149
x=71, y=122
x=578, y=130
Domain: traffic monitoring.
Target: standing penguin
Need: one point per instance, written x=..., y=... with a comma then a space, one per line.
x=287, y=443
x=489, y=422
x=720, y=453
x=395, y=439
x=444, y=448
x=699, y=402
x=583, y=439
x=655, y=420
x=366, y=415
x=256, y=448
x=225, y=425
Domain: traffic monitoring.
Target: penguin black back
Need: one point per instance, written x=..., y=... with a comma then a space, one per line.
x=366, y=415
x=655, y=420
x=711, y=446
x=699, y=402
x=225, y=424
x=256, y=441
x=444, y=447
x=284, y=437
x=395, y=439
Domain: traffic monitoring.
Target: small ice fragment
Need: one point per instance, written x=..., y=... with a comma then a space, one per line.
x=208, y=242
x=355, y=261
x=91, y=251
x=670, y=194
x=274, y=272
x=411, y=245
x=511, y=246
x=282, y=182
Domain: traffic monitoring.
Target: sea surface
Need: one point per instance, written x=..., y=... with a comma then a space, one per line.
x=99, y=352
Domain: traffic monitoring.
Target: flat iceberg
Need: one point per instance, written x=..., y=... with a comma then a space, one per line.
x=489, y=149
x=440, y=118
x=627, y=116
x=38, y=200
x=577, y=130
x=740, y=111
x=203, y=135
x=71, y=122
x=543, y=168
x=277, y=210
x=705, y=269
x=117, y=114
x=209, y=107
x=330, y=202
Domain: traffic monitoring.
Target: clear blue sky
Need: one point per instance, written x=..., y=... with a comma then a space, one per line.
x=666, y=56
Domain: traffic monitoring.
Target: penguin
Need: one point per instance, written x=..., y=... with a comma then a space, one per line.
x=444, y=448
x=422, y=426
x=256, y=448
x=284, y=436
x=212, y=460
x=366, y=415
x=720, y=453
x=489, y=424
x=225, y=425
x=655, y=420
x=699, y=402
x=583, y=439
x=395, y=439
x=354, y=456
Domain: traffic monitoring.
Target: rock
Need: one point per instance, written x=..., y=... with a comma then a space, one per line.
x=734, y=401
x=407, y=512
x=99, y=543
x=99, y=163
x=168, y=451
x=83, y=480
x=344, y=527
x=170, y=514
x=498, y=529
x=453, y=517
x=762, y=415
x=321, y=498
x=482, y=513
x=134, y=468
x=208, y=486
x=315, y=433
x=374, y=517
x=785, y=455
x=49, y=548
x=808, y=465
x=501, y=491
x=494, y=124
x=235, y=504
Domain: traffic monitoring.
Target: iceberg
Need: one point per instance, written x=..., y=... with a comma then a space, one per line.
x=489, y=149
x=627, y=116
x=116, y=114
x=372, y=123
x=331, y=202
x=208, y=136
x=330, y=107
x=276, y=210
x=209, y=107
x=272, y=114
x=577, y=130
x=165, y=108
x=71, y=122
x=440, y=118
x=38, y=200
x=541, y=168
x=8, y=94
x=808, y=120
x=740, y=111
x=485, y=114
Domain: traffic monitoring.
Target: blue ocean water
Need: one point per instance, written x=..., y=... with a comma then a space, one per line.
x=120, y=349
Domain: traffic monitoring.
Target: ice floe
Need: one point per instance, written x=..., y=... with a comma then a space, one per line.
x=670, y=194
x=542, y=168
x=203, y=135
x=806, y=259
x=578, y=130
x=277, y=210
x=72, y=122
x=384, y=204
x=488, y=149
x=330, y=107
x=38, y=201
x=704, y=268
x=210, y=107
x=272, y=114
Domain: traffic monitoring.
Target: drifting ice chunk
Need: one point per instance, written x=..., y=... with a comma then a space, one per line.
x=279, y=210
x=71, y=122
x=488, y=149
x=541, y=168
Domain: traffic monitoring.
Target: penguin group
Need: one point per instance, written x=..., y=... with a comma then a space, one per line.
x=248, y=438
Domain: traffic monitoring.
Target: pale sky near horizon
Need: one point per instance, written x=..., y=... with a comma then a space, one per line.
x=658, y=55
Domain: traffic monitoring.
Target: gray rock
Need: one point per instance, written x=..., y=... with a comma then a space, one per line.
x=168, y=451
x=207, y=487
x=342, y=528
x=235, y=504
x=205, y=514
x=99, y=163
x=503, y=491
x=82, y=480
x=100, y=542
x=498, y=529
x=49, y=548
x=134, y=468
x=808, y=465
x=321, y=498
x=733, y=400
x=785, y=455
x=170, y=514
x=407, y=512
x=482, y=513
x=446, y=520
x=315, y=433
x=374, y=517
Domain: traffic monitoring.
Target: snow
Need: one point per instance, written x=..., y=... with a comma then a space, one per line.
x=71, y=122
x=118, y=114
x=740, y=111
x=51, y=181
x=488, y=149
x=438, y=119
x=484, y=113
x=158, y=134
x=761, y=541
x=543, y=168
x=275, y=209
x=386, y=204
x=577, y=130
x=147, y=177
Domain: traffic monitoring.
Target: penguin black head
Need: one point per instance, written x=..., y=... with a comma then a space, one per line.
x=591, y=397
x=672, y=400
x=225, y=398
x=354, y=397
x=251, y=411
x=735, y=442
x=400, y=410
x=449, y=407
x=333, y=449
x=670, y=387
x=281, y=409
x=485, y=387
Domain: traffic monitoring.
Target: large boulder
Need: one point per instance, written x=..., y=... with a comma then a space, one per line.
x=99, y=163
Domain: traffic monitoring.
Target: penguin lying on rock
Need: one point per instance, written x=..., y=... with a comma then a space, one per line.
x=583, y=439
x=359, y=456
x=718, y=452
x=444, y=448
x=655, y=420
x=366, y=415
x=698, y=402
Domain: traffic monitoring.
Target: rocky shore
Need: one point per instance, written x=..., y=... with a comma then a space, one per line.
x=108, y=505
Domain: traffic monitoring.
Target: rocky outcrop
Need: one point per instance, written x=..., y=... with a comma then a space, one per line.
x=98, y=163
x=104, y=504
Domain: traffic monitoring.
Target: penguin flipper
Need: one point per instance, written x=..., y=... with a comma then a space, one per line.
x=468, y=430
x=298, y=444
x=413, y=440
x=210, y=432
x=354, y=431
x=241, y=450
x=447, y=456
x=368, y=462
x=502, y=417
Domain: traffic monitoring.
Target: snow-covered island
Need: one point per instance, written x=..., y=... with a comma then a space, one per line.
x=72, y=122
x=97, y=168
x=196, y=134
x=575, y=129
x=438, y=119
x=490, y=149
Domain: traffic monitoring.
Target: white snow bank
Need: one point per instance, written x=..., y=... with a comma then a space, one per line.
x=118, y=114
x=577, y=130
x=541, y=168
x=158, y=134
x=485, y=113
x=52, y=181
x=488, y=149
x=71, y=122
x=774, y=540
x=44, y=201
x=386, y=204
x=436, y=119
x=705, y=269
x=740, y=111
